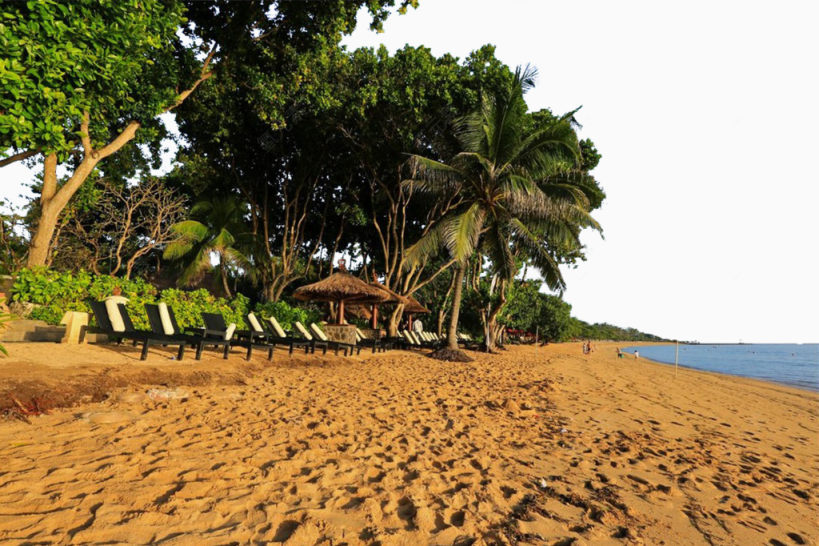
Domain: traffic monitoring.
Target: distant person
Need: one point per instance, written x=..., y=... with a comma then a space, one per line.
x=619, y=353
x=418, y=326
x=636, y=354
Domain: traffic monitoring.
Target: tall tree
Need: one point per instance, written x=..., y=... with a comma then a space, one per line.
x=504, y=175
x=81, y=80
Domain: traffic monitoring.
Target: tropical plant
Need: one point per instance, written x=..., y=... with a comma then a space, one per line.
x=286, y=314
x=506, y=177
x=220, y=223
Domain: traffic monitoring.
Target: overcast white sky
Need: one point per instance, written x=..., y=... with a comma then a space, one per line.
x=706, y=114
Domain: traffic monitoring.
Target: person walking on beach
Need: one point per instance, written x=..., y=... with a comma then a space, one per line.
x=636, y=354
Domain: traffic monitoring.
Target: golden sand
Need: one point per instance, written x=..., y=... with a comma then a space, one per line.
x=531, y=446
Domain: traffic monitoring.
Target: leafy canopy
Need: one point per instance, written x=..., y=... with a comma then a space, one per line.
x=112, y=58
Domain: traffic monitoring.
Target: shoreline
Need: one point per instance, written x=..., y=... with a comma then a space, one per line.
x=737, y=376
x=532, y=442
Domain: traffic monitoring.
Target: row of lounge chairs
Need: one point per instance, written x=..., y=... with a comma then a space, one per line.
x=165, y=331
x=432, y=340
x=264, y=334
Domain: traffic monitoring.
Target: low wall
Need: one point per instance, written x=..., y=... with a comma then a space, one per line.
x=344, y=333
x=31, y=330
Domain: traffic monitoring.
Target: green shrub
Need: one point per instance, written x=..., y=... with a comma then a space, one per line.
x=287, y=315
x=57, y=292
x=189, y=306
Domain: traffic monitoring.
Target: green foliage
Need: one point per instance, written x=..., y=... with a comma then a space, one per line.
x=579, y=329
x=57, y=292
x=189, y=306
x=511, y=177
x=285, y=314
x=113, y=59
x=531, y=310
x=221, y=223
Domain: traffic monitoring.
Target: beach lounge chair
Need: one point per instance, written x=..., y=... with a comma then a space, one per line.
x=129, y=332
x=411, y=339
x=278, y=336
x=163, y=321
x=314, y=342
x=348, y=347
x=366, y=341
x=467, y=342
x=215, y=322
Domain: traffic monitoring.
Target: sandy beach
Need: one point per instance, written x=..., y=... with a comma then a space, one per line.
x=531, y=446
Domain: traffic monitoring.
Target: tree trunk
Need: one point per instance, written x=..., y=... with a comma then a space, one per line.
x=452, y=335
x=439, y=328
x=49, y=214
x=53, y=201
x=223, y=273
x=395, y=318
x=491, y=326
x=41, y=241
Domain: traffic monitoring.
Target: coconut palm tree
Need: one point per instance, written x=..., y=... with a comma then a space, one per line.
x=212, y=230
x=513, y=187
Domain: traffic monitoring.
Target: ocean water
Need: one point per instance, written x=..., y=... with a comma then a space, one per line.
x=792, y=364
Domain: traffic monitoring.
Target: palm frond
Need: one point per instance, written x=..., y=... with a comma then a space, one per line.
x=427, y=246
x=433, y=177
x=196, y=268
x=462, y=231
x=539, y=254
x=191, y=230
x=497, y=247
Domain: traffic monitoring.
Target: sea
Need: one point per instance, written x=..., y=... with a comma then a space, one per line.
x=791, y=364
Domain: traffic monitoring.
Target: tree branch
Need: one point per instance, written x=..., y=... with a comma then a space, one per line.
x=18, y=157
x=85, y=134
x=204, y=74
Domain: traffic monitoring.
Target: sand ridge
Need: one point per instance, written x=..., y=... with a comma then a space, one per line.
x=531, y=446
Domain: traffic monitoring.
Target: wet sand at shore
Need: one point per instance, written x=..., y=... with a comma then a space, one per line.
x=530, y=446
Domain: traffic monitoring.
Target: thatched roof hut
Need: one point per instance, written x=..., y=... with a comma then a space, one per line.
x=413, y=306
x=341, y=287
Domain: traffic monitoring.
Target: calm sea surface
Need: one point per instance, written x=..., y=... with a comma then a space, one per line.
x=791, y=364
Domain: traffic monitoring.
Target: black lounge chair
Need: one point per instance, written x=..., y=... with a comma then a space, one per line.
x=377, y=344
x=322, y=337
x=137, y=336
x=313, y=340
x=199, y=339
x=215, y=323
x=278, y=336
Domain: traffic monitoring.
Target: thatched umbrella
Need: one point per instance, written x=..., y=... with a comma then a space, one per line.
x=413, y=306
x=394, y=298
x=341, y=287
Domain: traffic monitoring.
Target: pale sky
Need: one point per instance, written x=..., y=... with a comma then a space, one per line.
x=706, y=114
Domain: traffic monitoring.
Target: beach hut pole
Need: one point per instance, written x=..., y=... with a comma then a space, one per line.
x=341, y=311
x=676, y=358
x=374, y=318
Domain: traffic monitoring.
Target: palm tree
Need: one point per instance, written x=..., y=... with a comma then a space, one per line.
x=512, y=188
x=219, y=224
